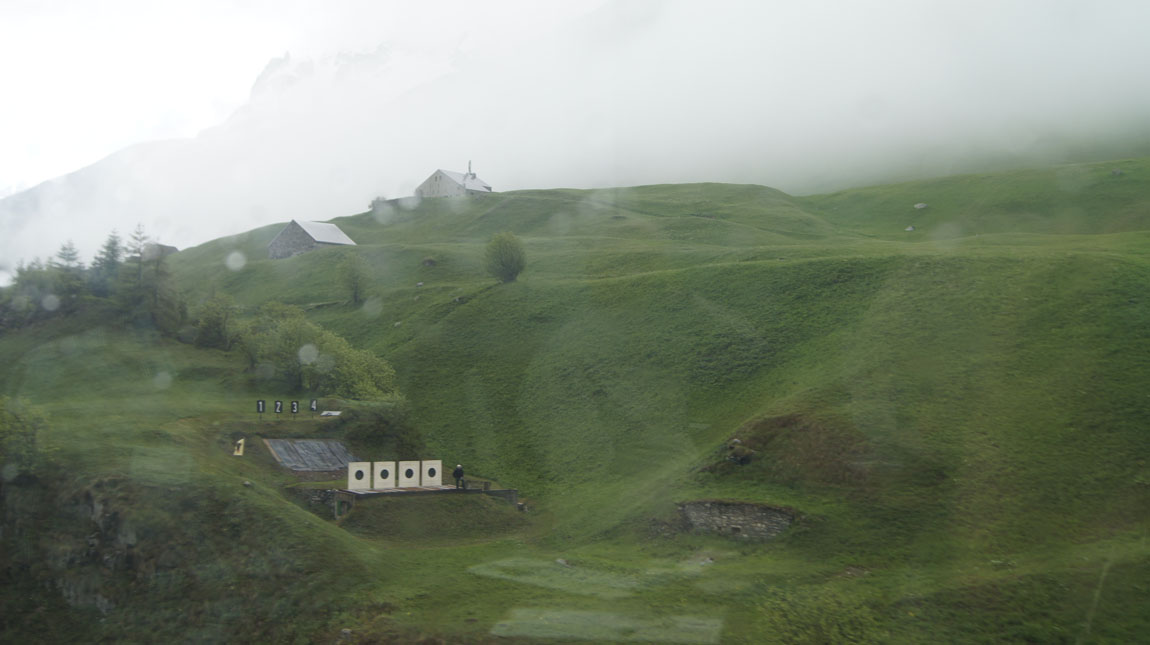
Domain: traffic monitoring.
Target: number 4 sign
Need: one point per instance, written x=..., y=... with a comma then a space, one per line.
x=314, y=405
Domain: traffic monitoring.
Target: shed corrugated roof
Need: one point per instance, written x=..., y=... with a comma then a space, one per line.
x=470, y=182
x=323, y=232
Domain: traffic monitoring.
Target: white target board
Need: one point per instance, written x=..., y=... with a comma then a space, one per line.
x=359, y=475
x=432, y=473
x=384, y=474
x=408, y=474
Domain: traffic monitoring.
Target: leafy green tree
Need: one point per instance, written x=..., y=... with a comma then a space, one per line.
x=32, y=295
x=355, y=275
x=383, y=426
x=255, y=337
x=20, y=426
x=350, y=372
x=214, y=327
x=505, y=258
x=309, y=357
x=34, y=281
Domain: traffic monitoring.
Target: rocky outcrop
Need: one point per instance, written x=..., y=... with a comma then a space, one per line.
x=742, y=520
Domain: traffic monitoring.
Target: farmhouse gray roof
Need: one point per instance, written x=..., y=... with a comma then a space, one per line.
x=468, y=181
x=325, y=233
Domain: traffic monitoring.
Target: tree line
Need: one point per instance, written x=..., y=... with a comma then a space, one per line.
x=280, y=342
x=128, y=277
x=128, y=282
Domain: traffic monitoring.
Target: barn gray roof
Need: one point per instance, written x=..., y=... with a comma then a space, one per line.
x=326, y=233
x=470, y=182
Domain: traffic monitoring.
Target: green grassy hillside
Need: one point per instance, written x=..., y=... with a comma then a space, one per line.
x=957, y=414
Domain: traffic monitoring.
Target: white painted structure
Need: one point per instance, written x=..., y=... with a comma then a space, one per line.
x=432, y=474
x=408, y=474
x=384, y=476
x=448, y=183
x=359, y=475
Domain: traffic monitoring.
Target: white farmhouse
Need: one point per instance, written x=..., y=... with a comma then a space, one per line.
x=447, y=183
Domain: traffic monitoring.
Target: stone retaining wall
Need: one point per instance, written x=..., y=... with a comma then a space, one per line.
x=317, y=500
x=743, y=520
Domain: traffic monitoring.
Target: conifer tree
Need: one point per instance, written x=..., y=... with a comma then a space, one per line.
x=136, y=244
x=67, y=274
x=68, y=257
x=106, y=264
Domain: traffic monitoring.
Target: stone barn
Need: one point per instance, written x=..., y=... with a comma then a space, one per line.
x=301, y=237
x=447, y=183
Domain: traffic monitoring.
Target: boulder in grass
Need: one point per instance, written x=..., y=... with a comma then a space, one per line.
x=920, y=205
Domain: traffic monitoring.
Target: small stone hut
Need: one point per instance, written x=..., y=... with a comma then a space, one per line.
x=301, y=237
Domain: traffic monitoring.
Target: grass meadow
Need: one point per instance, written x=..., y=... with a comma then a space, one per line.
x=956, y=412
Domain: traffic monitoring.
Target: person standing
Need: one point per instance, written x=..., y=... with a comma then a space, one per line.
x=458, y=475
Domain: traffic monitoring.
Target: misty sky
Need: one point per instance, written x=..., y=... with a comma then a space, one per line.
x=802, y=96
x=84, y=79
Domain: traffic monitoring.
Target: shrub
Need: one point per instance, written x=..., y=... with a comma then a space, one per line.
x=505, y=257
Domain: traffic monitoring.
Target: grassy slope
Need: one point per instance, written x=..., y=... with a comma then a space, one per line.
x=958, y=411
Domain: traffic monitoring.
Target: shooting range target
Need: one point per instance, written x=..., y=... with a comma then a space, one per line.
x=359, y=475
x=384, y=474
x=432, y=473
x=408, y=474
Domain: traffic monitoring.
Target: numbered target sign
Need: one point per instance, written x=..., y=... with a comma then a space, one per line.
x=314, y=405
x=261, y=407
x=295, y=407
x=279, y=406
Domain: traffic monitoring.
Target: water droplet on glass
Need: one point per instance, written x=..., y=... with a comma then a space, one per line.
x=373, y=307
x=308, y=353
x=162, y=381
x=265, y=370
x=409, y=203
x=382, y=211
x=236, y=260
x=50, y=302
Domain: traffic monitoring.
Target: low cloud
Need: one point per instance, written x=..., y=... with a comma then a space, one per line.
x=804, y=97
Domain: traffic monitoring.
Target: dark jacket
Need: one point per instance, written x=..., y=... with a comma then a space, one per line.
x=457, y=473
